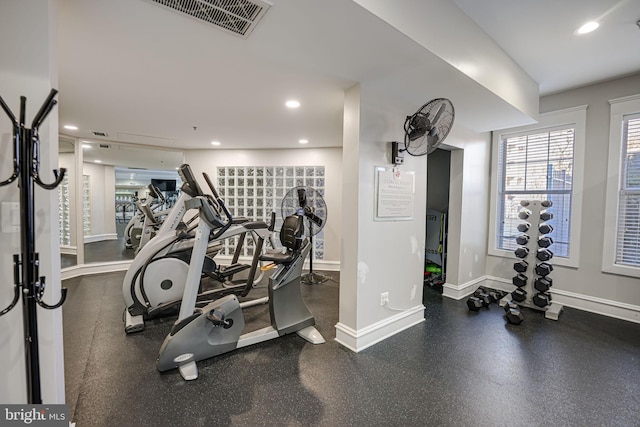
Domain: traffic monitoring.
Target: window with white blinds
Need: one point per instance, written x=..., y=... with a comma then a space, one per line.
x=628, y=227
x=536, y=165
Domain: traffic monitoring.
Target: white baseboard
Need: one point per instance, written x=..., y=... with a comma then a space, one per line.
x=618, y=310
x=318, y=264
x=366, y=337
x=100, y=237
x=458, y=292
x=605, y=307
x=94, y=268
x=322, y=265
x=68, y=250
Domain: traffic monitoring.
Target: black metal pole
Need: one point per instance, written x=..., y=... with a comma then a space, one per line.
x=27, y=231
x=26, y=264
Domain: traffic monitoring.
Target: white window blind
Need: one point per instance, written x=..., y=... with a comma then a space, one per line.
x=628, y=227
x=537, y=165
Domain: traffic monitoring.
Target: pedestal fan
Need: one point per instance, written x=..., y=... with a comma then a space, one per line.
x=309, y=203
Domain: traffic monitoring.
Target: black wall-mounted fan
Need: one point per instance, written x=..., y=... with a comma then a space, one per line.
x=425, y=130
x=309, y=203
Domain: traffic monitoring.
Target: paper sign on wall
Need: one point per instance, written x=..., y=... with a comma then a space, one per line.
x=395, y=194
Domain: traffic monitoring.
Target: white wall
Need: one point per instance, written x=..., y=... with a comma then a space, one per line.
x=102, y=184
x=445, y=30
x=588, y=282
x=27, y=46
x=378, y=256
x=331, y=158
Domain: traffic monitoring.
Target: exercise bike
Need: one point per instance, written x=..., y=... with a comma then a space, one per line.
x=154, y=283
x=202, y=333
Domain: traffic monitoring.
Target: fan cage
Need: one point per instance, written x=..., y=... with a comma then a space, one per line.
x=445, y=123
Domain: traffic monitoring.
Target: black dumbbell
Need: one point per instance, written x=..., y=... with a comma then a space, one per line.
x=542, y=284
x=543, y=269
x=545, y=241
x=544, y=254
x=522, y=239
x=542, y=299
x=524, y=203
x=545, y=228
x=514, y=316
x=520, y=280
x=519, y=295
x=482, y=294
x=521, y=266
x=511, y=305
x=546, y=203
x=495, y=295
x=524, y=227
x=474, y=303
x=521, y=252
x=546, y=216
x=524, y=214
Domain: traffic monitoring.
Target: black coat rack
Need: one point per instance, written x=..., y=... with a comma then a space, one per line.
x=27, y=282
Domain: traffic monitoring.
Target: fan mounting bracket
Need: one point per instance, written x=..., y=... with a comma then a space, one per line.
x=397, y=153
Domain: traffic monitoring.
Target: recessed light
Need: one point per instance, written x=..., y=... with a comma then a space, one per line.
x=71, y=127
x=292, y=103
x=303, y=141
x=97, y=161
x=588, y=27
x=86, y=146
x=215, y=142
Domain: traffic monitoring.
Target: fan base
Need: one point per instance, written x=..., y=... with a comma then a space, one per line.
x=313, y=279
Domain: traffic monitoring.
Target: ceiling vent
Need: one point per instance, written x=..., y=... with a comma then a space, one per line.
x=96, y=133
x=104, y=146
x=236, y=16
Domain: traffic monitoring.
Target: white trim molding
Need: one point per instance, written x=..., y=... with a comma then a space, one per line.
x=68, y=250
x=318, y=264
x=573, y=115
x=458, y=292
x=358, y=340
x=100, y=237
x=94, y=268
x=605, y=307
x=619, y=108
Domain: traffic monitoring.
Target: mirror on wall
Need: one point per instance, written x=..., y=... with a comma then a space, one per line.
x=103, y=198
x=67, y=209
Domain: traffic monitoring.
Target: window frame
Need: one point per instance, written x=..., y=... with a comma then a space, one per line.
x=576, y=117
x=620, y=107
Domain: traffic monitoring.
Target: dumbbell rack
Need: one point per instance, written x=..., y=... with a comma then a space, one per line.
x=553, y=310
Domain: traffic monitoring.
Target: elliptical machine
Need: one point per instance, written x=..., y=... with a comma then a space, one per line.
x=145, y=221
x=155, y=281
x=201, y=333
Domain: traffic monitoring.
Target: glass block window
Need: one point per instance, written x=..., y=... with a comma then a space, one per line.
x=86, y=205
x=64, y=212
x=254, y=192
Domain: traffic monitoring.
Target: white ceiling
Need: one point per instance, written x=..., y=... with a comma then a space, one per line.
x=539, y=36
x=147, y=75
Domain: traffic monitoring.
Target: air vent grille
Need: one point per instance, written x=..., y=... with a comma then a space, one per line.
x=236, y=16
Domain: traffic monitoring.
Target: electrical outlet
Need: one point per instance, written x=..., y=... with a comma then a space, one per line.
x=384, y=298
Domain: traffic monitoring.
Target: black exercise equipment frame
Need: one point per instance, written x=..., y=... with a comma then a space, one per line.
x=26, y=169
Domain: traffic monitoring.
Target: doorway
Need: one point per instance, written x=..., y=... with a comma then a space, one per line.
x=438, y=183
